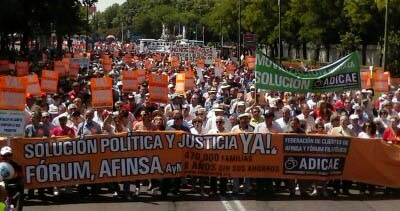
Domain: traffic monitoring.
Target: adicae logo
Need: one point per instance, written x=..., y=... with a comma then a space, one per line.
x=291, y=163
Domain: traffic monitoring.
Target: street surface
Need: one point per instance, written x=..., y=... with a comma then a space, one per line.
x=195, y=202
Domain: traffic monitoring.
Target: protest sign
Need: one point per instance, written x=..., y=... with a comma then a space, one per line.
x=50, y=81
x=22, y=68
x=33, y=87
x=158, y=88
x=4, y=65
x=141, y=75
x=189, y=79
x=12, y=93
x=339, y=76
x=250, y=62
x=83, y=62
x=381, y=81
x=166, y=154
x=101, y=92
x=129, y=81
x=180, y=84
x=73, y=69
x=59, y=66
x=365, y=80
x=12, y=123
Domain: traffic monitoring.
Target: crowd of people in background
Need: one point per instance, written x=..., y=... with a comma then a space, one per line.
x=217, y=104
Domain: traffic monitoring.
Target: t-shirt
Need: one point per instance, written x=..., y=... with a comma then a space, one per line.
x=59, y=131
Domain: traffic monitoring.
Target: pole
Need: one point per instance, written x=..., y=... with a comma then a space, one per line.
x=196, y=31
x=203, y=34
x=87, y=27
x=279, y=44
x=220, y=29
x=386, y=38
x=240, y=11
x=122, y=34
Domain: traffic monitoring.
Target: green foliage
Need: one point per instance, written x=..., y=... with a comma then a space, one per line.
x=349, y=42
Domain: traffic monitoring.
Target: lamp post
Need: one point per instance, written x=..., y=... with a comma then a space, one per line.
x=279, y=30
x=240, y=20
x=87, y=3
x=385, y=37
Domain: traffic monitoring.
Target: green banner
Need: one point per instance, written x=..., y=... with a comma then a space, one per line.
x=341, y=75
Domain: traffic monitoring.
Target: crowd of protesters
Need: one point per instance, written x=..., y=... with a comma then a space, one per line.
x=217, y=104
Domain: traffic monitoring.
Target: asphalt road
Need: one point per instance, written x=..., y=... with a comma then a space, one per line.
x=193, y=201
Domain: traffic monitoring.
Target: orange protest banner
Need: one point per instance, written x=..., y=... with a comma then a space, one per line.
x=130, y=81
x=180, y=84
x=189, y=79
x=33, y=87
x=381, y=83
x=66, y=62
x=250, y=62
x=168, y=154
x=158, y=88
x=141, y=75
x=128, y=58
x=365, y=80
x=22, y=68
x=174, y=62
x=50, y=81
x=230, y=68
x=73, y=69
x=200, y=63
x=59, y=66
x=12, y=93
x=101, y=92
x=4, y=65
x=106, y=63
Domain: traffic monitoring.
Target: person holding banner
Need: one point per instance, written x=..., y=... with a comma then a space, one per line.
x=392, y=133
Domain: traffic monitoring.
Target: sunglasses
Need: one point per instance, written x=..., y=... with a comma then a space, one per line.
x=220, y=122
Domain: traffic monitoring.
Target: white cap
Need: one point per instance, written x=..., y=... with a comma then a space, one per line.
x=354, y=116
x=5, y=150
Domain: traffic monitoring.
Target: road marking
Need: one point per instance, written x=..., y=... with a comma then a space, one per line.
x=229, y=205
x=226, y=204
x=239, y=205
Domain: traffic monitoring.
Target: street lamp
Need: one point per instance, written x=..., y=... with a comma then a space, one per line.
x=279, y=30
x=88, y=3
x=240, y=20
x=385, y=39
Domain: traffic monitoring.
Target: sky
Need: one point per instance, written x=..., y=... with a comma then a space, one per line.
x=103, y=4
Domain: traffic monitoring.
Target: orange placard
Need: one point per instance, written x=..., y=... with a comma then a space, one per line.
x=101, y=92
x=130, y=81
x=74, y=69
x=66, y=62
x=22, y=68
x=12, y=93
x=200, y=63
x=50, y=81
x=158, y=88
x=230, y=68
x=59, y=66
x=33, y=87
x=141, y=76
x=174, y=62
x=365, y=80
x=180, y=84
x=189, y=80
x=250, y=62
x=4, y=65
x=106, y=63
x=128, y=58
x=381, y=81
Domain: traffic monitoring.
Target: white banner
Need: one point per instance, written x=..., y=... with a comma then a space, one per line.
x=12, y=123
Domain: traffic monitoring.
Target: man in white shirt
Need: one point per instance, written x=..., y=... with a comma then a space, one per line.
x=305, y=118
x=269, y=126
x=283, y=122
